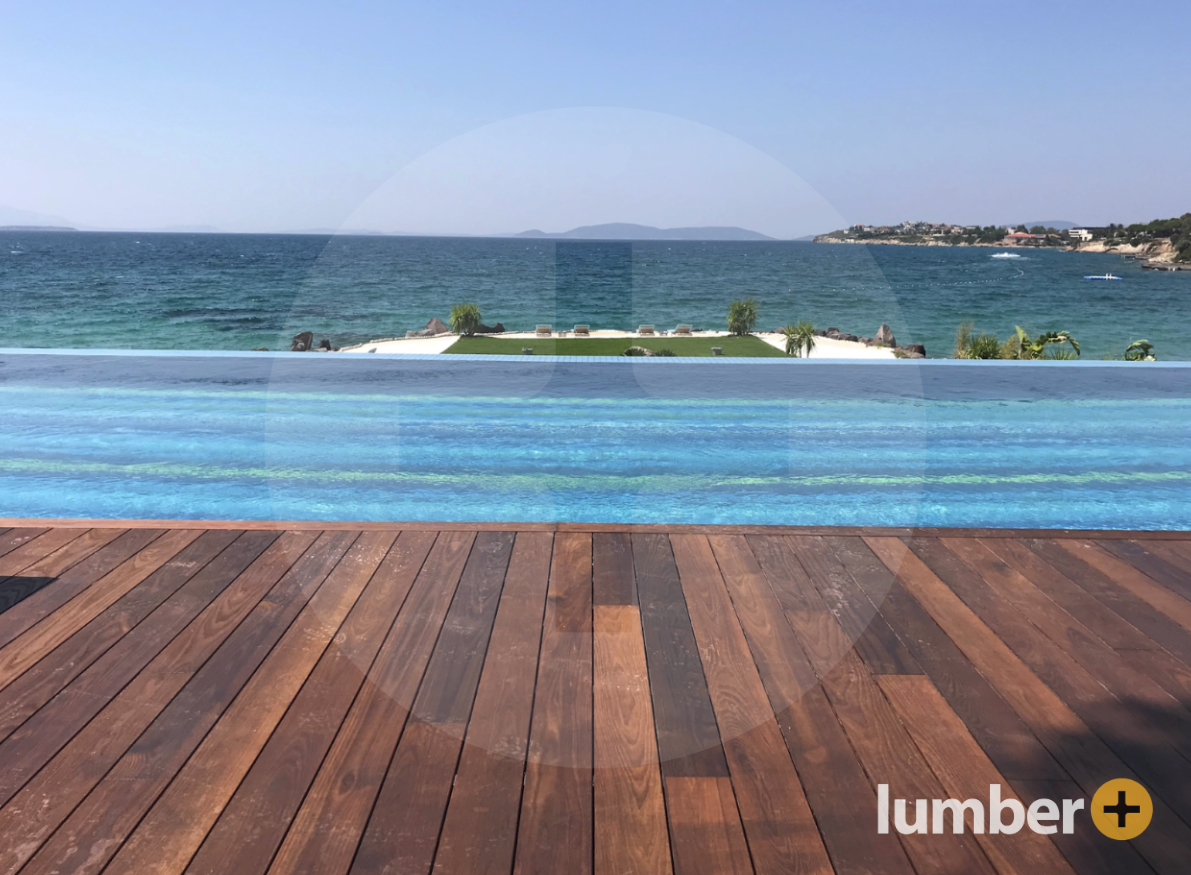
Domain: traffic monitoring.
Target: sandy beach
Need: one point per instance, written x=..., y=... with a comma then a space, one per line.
x=825, y=348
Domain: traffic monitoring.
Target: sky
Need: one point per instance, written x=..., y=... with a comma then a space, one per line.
x=454, y=117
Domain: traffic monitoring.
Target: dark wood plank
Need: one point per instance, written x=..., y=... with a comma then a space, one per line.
x=1168, y=574
x=778, y=823
x=688, y=738
x=1001, y=733
x=15, y=537
x=630, y=812
x=965, y=772
x=613, y=581
x=121, y=799
x=1106, y=575
x=1134, y=738
x=54, y=672
x=74, y=567
x=1107, y=625
x=872, y=638
x=555, y=831
x=40, y=639
x=55, y=791
x=1088, y=760
x=843, y=801
x=480, y=827
x=705, y=831
x=405, y=823
x=33, y=550
x=348, y=615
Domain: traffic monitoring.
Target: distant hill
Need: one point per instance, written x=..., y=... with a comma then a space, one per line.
x=627, y=231
x=35, y=228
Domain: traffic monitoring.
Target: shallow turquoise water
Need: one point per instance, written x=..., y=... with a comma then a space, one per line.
x=675, y=441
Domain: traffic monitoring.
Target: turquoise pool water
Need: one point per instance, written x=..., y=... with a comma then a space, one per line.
x=297, y=437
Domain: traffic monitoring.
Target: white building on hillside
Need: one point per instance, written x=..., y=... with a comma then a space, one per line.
x=1081, y=234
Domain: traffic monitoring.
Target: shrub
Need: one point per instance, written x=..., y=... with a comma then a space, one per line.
x=800, y=338
x=1140, y=351
x=742, y=316
x=635, y=350
x=1037, y=348
x=984, y=346
x=665, y=352
x=465, y=319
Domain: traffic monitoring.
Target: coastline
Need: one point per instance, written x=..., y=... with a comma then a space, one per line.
x=1160, y=252
x=826, y=348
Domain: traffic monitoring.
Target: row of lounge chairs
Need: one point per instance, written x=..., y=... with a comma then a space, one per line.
x=642, y=331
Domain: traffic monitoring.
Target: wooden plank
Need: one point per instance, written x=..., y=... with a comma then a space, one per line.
x=55, y=671
x=37, y=641
x=1173, y=675
x=33, y=550
x=706, y=834
x=1083, y=754
x=688, y=737
x=1001, y=733
x=843, y=801
x=75, y=566
x=55, y=792
x=555, y=831
x=1135, y=739
x=871, y=636
x=1168, y=574
x=1107, y=625
x=15, y=537
x=1175, y=553
x=1170, y=604
x=613, y=581
x=353, y=609
x=1106, y=665
x=480, y=827
x=965, y=772
x=630, y=813
x=403, y=830
x=68, y=710
x=778, y=823
x=1089, y=851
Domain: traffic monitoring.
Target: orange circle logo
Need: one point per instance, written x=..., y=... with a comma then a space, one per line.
x=1122, y=809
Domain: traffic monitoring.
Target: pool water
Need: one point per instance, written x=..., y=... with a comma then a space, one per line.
x=372, y=438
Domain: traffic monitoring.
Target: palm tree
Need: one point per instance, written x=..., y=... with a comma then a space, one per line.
x=1036, y=348
x=742, y=316
x=800, y=339
x=465, y=319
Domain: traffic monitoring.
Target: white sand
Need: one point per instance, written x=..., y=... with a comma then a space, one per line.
x=825, y=348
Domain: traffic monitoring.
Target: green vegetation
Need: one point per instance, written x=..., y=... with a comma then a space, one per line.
x=1140, y=351
x=800, y=338
x=1019, y=345
x=742, y=316
x=748, y=346
x=465, y=319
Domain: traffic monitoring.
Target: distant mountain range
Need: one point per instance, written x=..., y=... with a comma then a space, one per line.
x=627, y=231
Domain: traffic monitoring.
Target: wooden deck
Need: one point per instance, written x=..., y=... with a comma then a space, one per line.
x=560, y=700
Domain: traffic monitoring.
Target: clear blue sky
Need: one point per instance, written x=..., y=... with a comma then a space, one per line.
x=270, y=116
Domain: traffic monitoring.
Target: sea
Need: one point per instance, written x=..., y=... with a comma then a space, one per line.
x=152, y=291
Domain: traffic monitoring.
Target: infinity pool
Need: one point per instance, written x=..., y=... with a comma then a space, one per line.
x=329, y=437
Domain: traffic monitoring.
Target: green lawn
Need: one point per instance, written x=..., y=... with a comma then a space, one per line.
x=741, y=347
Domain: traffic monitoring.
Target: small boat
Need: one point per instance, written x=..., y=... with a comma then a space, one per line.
x=1107, y=276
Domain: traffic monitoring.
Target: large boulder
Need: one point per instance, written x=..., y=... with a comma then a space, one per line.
x=302, y=342
x=498, y=328
x=435, y=326
x=884, y=336
x=914, y=350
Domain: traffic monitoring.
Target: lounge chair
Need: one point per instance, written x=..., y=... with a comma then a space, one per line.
x=544, y=331
x=683, y=331
x=645, y=331
x=583, y=331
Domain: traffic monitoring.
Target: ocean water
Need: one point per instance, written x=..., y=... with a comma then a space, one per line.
x=238, y=292
x=520, y=439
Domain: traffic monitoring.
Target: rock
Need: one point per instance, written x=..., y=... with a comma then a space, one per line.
x=302, y=342
x=324, y=344
x=914, y=350
x=435, y=326
x=498, y=328
x=819, y=332
x=885, y=335
x=260, y=349
x=850, y=337
x=867, y=341
x=832, y=332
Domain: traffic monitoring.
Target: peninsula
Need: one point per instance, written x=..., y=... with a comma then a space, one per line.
x=1163, y=241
